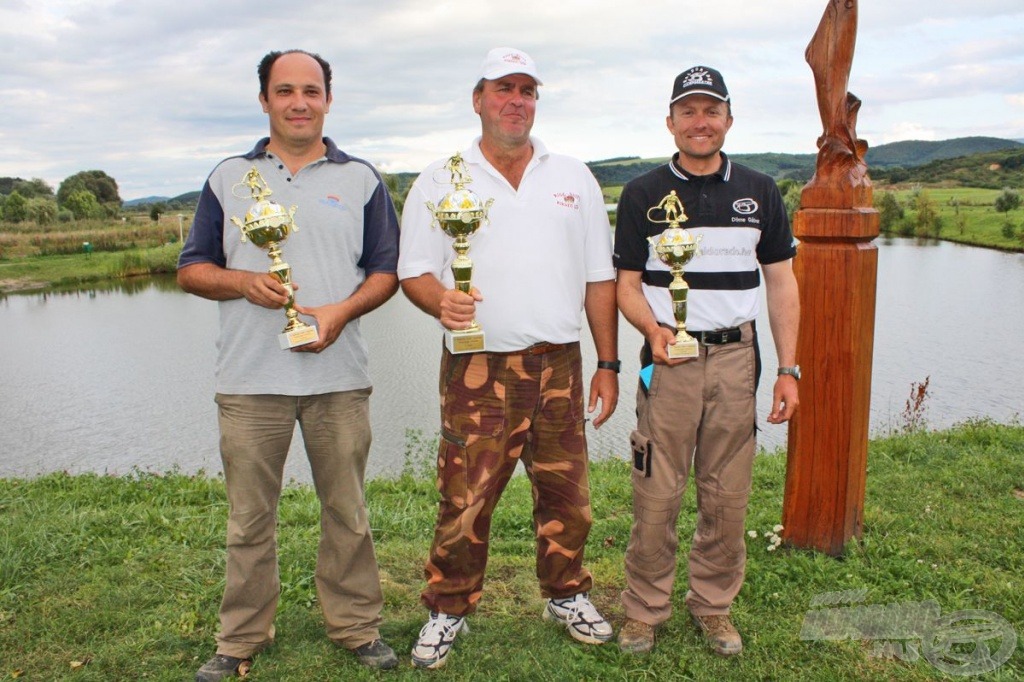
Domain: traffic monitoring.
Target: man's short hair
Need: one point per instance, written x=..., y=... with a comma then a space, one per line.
x=268, y=60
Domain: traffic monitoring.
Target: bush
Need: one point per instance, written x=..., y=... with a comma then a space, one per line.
x=1008, y=201
x=1009, y=229
x=890, y=211
x=15, y=207
x=905, y=227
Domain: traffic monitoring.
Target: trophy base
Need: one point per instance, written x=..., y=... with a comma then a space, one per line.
x=464, y=342
x=297, y=337
x=684, y=348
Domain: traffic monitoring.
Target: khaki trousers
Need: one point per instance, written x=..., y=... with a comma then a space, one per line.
x=255, y=433
x=699, y=413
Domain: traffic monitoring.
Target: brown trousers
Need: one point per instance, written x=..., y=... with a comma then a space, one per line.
x=255, y=433
x=699, y=413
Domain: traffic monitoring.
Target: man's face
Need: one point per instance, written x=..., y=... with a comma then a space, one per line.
x=296, y=100
x=699, y=124
x=506, y=107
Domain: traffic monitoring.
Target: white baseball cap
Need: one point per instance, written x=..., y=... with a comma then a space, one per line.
x=502, y=61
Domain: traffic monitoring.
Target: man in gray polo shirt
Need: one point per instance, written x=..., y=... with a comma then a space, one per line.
x=345, y=258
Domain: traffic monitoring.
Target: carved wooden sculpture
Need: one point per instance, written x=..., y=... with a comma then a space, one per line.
x=841, y=177
x=836, y=266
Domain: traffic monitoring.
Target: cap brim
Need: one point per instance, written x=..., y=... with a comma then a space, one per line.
x=709, y=93
x=501, y=73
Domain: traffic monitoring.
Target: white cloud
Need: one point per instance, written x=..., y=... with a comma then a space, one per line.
x=155, y=92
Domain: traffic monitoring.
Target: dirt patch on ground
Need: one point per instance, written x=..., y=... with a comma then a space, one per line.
x=10, y=286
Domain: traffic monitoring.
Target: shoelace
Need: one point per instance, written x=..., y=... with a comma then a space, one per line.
x=580, y=611
x=439, y=629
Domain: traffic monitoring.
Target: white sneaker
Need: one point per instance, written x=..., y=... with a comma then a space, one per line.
x=436, y=639
x=581, y=617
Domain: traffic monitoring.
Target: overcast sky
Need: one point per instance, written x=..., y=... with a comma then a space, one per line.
x=156, y=92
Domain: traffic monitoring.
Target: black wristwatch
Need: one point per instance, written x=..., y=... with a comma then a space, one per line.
x=613, y=365
x=793, y=371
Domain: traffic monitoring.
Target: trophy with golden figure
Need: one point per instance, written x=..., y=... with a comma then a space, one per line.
x=460, y=213
x=266, y=225
x=675, y=247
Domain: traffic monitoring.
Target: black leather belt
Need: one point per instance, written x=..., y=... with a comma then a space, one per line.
x=718, y=337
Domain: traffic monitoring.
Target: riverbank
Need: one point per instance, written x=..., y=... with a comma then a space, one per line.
x=120, y=577
x=965, y=214
x=36, y=273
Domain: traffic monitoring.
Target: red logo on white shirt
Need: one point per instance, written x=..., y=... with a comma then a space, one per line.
x=568, y=200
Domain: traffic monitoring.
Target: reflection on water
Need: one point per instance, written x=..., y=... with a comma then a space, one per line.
x=120, y=375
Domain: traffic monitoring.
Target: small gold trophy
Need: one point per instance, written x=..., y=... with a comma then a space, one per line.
x=676, y=247
x=266, y=225
x=460, y=213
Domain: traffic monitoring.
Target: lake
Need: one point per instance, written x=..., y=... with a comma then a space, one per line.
x=119, y=377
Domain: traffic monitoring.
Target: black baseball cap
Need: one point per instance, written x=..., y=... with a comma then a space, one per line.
x=699, y=80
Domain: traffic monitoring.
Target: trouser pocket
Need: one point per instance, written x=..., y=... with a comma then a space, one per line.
x=451, y=469
x=642, y=452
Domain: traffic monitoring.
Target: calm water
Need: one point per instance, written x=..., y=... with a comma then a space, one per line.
x=121, y=377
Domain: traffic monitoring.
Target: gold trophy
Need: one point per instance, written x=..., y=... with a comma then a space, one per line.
x=266, y=225
x=460, y=213
x=676, y=247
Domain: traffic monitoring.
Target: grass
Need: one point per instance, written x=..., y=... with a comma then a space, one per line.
x=980, y=224
x=42, y=272
x=34, y=257
x=113, y=578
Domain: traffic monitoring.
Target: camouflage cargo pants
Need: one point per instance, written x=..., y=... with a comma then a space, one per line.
x=497, y=409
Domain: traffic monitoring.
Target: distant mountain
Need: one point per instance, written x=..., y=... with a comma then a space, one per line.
x=800, y=167
x=186, y=200
x=991, y=170
x=919, y=152
x=144, y=201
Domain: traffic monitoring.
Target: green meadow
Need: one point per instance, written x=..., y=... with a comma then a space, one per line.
x=119, y=578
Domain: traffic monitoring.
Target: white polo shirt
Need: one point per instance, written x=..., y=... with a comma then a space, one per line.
x=532, y=261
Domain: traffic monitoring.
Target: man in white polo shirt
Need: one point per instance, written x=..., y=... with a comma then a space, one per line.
x=542, y=259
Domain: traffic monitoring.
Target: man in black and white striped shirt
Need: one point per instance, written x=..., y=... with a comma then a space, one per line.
x=700, y=412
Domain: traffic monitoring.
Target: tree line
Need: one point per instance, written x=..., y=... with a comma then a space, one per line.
x=86, y=194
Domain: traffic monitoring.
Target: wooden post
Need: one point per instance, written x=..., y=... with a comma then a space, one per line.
x=836, y=267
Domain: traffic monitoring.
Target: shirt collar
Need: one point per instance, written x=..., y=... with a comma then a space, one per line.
x=333, y=153
x=474, y=155
x=724, y=171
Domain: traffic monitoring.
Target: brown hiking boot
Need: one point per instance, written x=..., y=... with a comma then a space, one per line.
x=720, y=633
x=636, y=637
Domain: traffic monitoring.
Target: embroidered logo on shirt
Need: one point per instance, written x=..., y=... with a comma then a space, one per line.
x=332, y=201
x=744, y=206
x=568, y=200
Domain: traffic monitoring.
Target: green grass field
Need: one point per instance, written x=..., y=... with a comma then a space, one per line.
x=981, y=224
x=117, y=578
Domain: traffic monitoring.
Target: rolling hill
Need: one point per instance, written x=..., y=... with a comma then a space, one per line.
x=901, y=156
x=800, y=167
